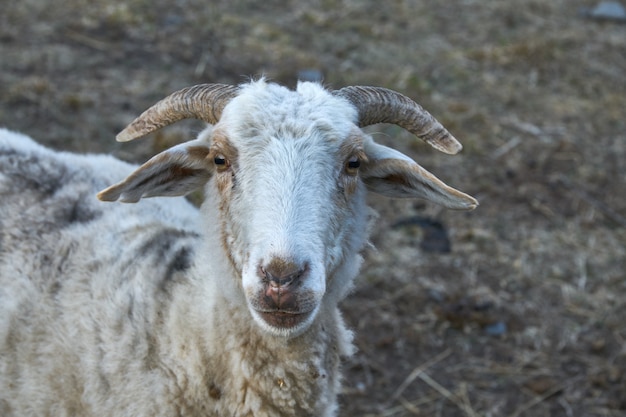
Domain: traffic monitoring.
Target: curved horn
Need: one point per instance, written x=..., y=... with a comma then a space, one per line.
x=381, y=105
x=203, y=101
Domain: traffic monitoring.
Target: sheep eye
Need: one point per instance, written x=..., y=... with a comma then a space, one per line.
x=219, y=160
x=354, y=163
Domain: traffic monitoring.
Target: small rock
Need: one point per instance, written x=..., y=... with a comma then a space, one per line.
x=496, y=329
x=606, y=10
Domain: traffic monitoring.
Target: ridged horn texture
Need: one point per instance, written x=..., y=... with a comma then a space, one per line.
x=202, y=101
x=381, y=105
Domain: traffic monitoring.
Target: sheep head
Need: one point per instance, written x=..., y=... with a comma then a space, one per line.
x=288, y=171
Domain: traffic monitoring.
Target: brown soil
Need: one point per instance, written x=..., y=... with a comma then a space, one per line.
x=526, y=315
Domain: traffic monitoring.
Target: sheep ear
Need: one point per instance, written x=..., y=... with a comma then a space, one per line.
x=393, y=174
x=174, y=172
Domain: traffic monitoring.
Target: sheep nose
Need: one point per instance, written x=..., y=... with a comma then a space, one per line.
x=280, y=274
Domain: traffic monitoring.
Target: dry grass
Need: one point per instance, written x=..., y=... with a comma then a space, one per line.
x=525, y=317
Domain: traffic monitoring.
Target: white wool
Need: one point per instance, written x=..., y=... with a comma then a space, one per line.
x=157, y=308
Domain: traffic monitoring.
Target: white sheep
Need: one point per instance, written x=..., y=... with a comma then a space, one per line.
x=158, y=309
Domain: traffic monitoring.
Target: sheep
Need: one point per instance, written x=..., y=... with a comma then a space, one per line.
x=161, y=309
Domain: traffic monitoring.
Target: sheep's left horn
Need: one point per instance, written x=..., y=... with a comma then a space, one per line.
x=203, y=101
x=381, y=105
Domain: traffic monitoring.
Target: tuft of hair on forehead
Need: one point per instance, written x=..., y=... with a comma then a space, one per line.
x=261, y=104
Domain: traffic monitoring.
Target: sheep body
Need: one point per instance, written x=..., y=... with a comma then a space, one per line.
x=161, y=309
x=108, y=320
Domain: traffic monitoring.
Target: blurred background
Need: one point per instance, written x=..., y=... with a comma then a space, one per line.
x=515, y=309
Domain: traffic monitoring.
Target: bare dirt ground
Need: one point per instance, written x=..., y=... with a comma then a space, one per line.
x=526, y=314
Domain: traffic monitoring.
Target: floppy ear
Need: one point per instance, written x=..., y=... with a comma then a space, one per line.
x=174, y=172
x=393, y=174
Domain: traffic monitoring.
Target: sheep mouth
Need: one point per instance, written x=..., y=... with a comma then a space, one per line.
x=283, y=319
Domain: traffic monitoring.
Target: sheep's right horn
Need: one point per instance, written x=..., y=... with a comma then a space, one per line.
x=381, y=105
x=203, y=101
